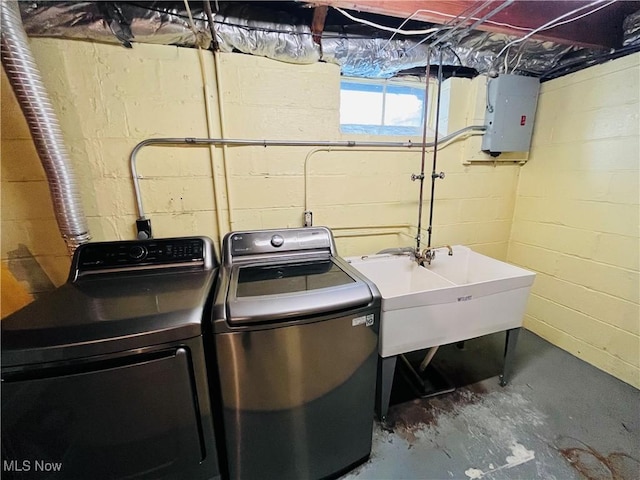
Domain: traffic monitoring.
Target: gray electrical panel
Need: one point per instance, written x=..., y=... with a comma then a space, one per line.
x=510, y=110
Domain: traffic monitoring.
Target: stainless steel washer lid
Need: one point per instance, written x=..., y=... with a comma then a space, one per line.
x=286, y=274
x=115, y=305
x=271, y=292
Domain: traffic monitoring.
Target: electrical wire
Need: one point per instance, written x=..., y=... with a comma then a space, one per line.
x=424, y=10
x=464, y=16
x=553, y=23
x=442, y=14
x=580, y=16
x=385, y=28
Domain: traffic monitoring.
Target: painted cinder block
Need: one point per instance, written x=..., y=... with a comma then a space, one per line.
x=272, y=192
x=555, y=237
x=610, y=309
x=591, y=354
x=576, y=216
x=28, y=169
x=26, y=200
x=363, y=215
x=594, y=156
x=176, y=224
x=345, y=189
x=155, y=162
x=31, y=237
x=263, y=82
x=280, y=123
x=618, y=250
x=177, y=194
x=617, y=342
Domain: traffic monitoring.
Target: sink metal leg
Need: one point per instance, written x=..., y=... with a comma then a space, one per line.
x=509, y=354
x=386, y=369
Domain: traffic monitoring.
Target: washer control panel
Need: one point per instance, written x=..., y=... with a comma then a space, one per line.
x=260, y=242
x=277, y=240
x=141, y=253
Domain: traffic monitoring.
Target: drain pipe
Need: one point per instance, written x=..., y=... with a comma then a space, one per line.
x=27, y=84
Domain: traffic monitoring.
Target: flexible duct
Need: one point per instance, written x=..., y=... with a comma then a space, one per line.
x=359, y=51
x=23, y=74
x=631, y=27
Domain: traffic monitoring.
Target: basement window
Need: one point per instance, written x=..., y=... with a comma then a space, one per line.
x=382, y=107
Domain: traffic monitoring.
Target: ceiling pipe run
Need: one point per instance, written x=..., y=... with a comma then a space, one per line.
x=27, y=84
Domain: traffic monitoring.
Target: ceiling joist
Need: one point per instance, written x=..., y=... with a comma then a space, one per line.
x=600, y=29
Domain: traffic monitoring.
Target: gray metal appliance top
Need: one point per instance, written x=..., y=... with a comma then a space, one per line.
x=119, y=296
x=271, y=276
x=265, y=244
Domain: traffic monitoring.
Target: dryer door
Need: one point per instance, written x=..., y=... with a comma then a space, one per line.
x=134, y=417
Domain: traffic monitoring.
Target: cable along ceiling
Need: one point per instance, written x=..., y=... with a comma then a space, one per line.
x=361, y=49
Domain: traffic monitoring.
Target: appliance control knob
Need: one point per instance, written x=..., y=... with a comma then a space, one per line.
x=277, y=240
x=137, y=252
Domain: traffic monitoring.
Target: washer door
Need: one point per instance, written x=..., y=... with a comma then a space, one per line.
x=131, y=417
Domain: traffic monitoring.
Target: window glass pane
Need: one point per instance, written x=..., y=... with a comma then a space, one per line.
x=363, y=105
x=360, y=104
x=403, y=106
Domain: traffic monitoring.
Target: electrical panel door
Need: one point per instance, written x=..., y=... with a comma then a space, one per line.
x=510, y=110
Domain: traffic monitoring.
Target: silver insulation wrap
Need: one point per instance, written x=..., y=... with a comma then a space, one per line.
x=252, y=30
x=359, y=51
x=363, y=55
x=23, y=74
x=265, y=33
x=631, y=27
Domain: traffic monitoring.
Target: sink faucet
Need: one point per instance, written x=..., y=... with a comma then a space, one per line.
x=429, y=253
x=426, y=256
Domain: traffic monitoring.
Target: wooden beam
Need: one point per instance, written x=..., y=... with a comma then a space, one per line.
x=602, y=29
x=317, y=24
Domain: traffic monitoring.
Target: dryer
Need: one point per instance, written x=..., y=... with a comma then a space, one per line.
x=105, y=377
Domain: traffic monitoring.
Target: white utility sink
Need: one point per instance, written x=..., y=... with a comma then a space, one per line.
x=454, y=299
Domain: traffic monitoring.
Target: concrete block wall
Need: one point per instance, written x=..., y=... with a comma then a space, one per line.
x=577, y=216
x=109, y=98
x=366, y=197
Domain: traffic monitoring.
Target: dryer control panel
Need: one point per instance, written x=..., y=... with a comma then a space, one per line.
x=142, y=254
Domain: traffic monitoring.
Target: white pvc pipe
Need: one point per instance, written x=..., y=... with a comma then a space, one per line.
x=223, y=134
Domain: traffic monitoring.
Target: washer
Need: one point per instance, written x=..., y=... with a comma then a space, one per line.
x=296, y=338
x=105, y=377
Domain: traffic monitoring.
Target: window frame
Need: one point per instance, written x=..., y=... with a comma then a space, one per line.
x=385, y=85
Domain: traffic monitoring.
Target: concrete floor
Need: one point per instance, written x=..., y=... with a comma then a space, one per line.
x=559, y=418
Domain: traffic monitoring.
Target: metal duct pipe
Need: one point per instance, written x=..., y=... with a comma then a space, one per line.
x=20, y=66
